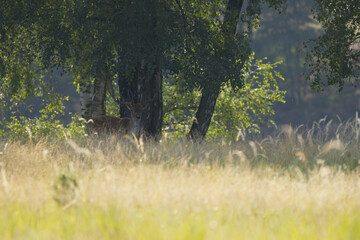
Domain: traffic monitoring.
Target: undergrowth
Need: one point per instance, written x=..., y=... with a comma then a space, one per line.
x=296, y=184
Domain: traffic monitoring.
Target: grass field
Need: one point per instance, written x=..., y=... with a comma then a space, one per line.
x=295, y=185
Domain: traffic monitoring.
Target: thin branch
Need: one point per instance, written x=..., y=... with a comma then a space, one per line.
x=181, y=108
x=185, y=23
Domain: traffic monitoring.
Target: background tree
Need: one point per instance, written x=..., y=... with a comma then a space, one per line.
x=334, y=56
x=238, y=111
x=26, y=59
x=237, y=42
x=282, y=37
x=95, y=41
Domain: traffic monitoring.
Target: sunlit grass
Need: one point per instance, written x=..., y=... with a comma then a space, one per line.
x=299, y=184
x=113, y=221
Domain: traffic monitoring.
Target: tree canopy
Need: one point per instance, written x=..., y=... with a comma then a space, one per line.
x=194, y=41
x=83, y=36
x=202, y=45
x=334, y=57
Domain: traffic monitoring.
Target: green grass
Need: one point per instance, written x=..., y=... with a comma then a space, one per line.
x=297, y=185
x=91, y=221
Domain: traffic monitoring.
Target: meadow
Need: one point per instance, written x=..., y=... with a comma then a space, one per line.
x=297, y=184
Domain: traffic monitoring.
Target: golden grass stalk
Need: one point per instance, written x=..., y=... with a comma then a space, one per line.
x=280, y=187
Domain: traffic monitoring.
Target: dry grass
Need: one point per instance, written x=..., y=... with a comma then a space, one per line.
x=297, y=185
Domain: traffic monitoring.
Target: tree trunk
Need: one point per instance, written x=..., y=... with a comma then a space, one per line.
x=204, y=113
x=231, y=15
x=98, y=101
x=147, y=91
x=210, y=93
x=152, y=98
x=86, y=100
x=128, y=93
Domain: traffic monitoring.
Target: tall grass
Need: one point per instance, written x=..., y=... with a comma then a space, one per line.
x=297, y=184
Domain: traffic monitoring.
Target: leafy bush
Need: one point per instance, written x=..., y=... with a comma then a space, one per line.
x=236, y=109
x=26, y=129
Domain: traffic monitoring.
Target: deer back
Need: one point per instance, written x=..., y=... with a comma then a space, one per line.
x=111, y=125
x=116, y=125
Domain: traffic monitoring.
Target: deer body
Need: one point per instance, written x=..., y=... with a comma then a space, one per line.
x=117, y=125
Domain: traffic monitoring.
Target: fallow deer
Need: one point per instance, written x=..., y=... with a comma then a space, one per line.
x=117, y=125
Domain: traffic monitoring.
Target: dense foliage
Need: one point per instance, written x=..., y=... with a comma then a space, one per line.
x=83, y=37
x=236, y=110
x=187, y=39
x=335, y=56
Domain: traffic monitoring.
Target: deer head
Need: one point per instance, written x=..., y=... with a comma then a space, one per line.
x=136, y=110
